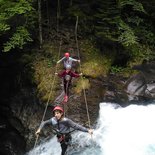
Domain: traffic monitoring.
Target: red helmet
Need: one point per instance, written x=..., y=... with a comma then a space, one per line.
x=58, y=108
x=67, y=55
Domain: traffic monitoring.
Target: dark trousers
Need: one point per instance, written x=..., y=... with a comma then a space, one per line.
x=64, y=141
x=66, y=87
x=63, y=148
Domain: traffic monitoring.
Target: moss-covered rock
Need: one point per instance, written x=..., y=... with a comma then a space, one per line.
x=94, y=62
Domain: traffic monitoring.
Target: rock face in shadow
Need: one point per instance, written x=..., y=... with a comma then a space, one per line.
x=142, y=85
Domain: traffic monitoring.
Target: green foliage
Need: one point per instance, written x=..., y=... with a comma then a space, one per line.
x=139, y=53
x=51, y=50
x=15, y=23
x=76, y=11
x=112, y=26
x=116, y=69
x=127, y=36
x=44, y=77
x=15, y=8
x=135, y=20
x=145, y=34
x=20, y=38
x=137, y=6
x=44, y=66
x=125, y=22
x=106, y=21
x=82, y=83
x=125, y=72
x=83, y=11
x=95, y=64
x=4, y=27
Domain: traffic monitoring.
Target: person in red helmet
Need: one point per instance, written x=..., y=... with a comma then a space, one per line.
x=67, y=60
x=67, y=76
x=63, y=127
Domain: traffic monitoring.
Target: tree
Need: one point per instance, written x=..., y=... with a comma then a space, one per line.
x=16, y=20
x=40, y=23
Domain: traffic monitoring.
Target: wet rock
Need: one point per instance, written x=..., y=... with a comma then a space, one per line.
x=142, y=85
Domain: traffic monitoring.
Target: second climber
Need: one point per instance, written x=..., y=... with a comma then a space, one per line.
x=67, y=60
x=67, y=76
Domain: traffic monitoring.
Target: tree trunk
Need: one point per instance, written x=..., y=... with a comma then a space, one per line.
x=71, y=2
x=48, y=18
x=58, y=15
x=40, y=23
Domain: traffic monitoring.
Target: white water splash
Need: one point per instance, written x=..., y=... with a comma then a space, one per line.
x=119, y=131
x=126, y=131
x=50, y=147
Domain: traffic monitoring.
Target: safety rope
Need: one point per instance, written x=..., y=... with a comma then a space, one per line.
x=47, y=103
x=84, y=92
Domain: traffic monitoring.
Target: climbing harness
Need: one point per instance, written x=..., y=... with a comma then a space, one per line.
x=64, y=138
x=67, y=77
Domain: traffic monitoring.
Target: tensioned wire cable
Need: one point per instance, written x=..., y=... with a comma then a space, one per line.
x=47, y=103
x=84, y=92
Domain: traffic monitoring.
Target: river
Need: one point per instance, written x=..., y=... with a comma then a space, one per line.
x=119, y=131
